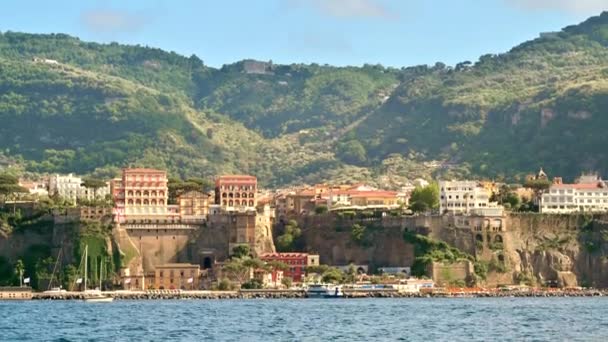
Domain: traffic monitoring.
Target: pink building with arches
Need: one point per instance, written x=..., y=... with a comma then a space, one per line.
x=236, y=192
x=141, y=195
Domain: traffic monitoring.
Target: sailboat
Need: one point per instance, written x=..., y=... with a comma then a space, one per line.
x=55, y=290
x=93, y=296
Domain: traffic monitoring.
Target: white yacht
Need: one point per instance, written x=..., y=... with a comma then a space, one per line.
x=324, y=291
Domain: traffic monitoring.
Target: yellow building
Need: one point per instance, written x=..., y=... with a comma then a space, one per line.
x=193, y=206
x=177, y=276
x=383, y=199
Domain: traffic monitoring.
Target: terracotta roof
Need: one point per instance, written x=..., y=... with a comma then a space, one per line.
x=236, y=177
x=586, y=186
x=363, y=193
x=283, y=255
x=143, y=170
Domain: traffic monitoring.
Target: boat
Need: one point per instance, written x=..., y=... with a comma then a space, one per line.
x=55, y=290
x=94, y=296
x=324, y=291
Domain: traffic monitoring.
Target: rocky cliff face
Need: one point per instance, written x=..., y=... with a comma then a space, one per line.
x=565, y=250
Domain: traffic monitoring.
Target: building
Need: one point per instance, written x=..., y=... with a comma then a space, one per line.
x=70, y=187
x=193, y=206
x=466, y=197
x=36, y=188
x=141, y=195
x=236, y=192
x=177, y=276
x=15, y=293
x=588, y=194
x=297, y=263
x=66, y=186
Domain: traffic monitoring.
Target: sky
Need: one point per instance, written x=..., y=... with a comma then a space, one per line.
x=339, y=32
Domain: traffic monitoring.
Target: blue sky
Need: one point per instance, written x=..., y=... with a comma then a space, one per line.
x=339, y=32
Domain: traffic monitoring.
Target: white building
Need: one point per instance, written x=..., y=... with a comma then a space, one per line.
x=589, y=194
x=466, y=197
x=70, y=187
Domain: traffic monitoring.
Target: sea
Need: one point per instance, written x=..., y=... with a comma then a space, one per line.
x=421, y=319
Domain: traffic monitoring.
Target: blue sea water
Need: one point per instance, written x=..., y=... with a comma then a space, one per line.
x=430, y=319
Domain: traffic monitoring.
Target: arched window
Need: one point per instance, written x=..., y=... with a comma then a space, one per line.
x=161, y=202
x=161, y=193
x=236, y=202
x=153, y=193
x=130, y=201
x=224, y=202
x=237, y=195
x=146, y=202
x=130, y=192
x=251, y=203
x=146, y=193
x=244, y=195
x=224, y=195
x=251, y=195
x=498, y=238
x=231, y=195
x=138, y=202
x=138, y=193
x=153, y=202
x=230, y=203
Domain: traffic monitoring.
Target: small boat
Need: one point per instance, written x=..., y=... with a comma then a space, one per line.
x=94, y=296
x=98, y=298
x=324, y=291
x=55, y=290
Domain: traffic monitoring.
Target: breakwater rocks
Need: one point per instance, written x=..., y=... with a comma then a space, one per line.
x=295, y=294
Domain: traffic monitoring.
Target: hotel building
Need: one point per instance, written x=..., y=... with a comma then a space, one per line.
x=588, y=194
x=236, y=192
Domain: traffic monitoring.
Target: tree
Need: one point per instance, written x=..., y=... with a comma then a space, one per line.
x=419, y=207
x=322, y=209
x=351, y=274
x=287, y=282
x=240, y=251
x=9, y=187
x=352, y=152
x=285, y=242
x=93, y=183
x=425, y=196
x=236, y=270
x=19, y=268
x=357, y=232
x=332, y=275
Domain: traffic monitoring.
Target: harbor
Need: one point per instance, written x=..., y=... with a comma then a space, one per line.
x=301, y=294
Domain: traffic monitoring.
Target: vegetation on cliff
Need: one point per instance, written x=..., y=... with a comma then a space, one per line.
x=73, y=106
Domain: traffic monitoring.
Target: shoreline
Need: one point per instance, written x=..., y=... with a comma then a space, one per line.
x=299, y=294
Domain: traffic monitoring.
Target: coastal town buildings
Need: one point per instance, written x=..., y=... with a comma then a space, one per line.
x=589, y=193
x=37, y=188
x=142, y=194
x=193, y=206
x=236, y=192
x=297, y=263
x=466, y=197
x=177, y=276
x=70, y=187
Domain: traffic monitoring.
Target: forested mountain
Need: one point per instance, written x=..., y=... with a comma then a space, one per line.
x=73, y=106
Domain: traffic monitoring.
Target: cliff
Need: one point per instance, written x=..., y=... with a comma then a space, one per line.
x=535, y=249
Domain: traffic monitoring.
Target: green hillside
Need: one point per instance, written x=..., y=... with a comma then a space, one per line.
x=102, y=106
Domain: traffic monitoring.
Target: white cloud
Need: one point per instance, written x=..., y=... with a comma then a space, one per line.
x=571, y=6
x=111, y=21
x=346, y=8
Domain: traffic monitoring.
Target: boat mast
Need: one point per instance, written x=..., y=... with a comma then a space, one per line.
x=55, y=268
x=100, y=270
x=86, y=249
